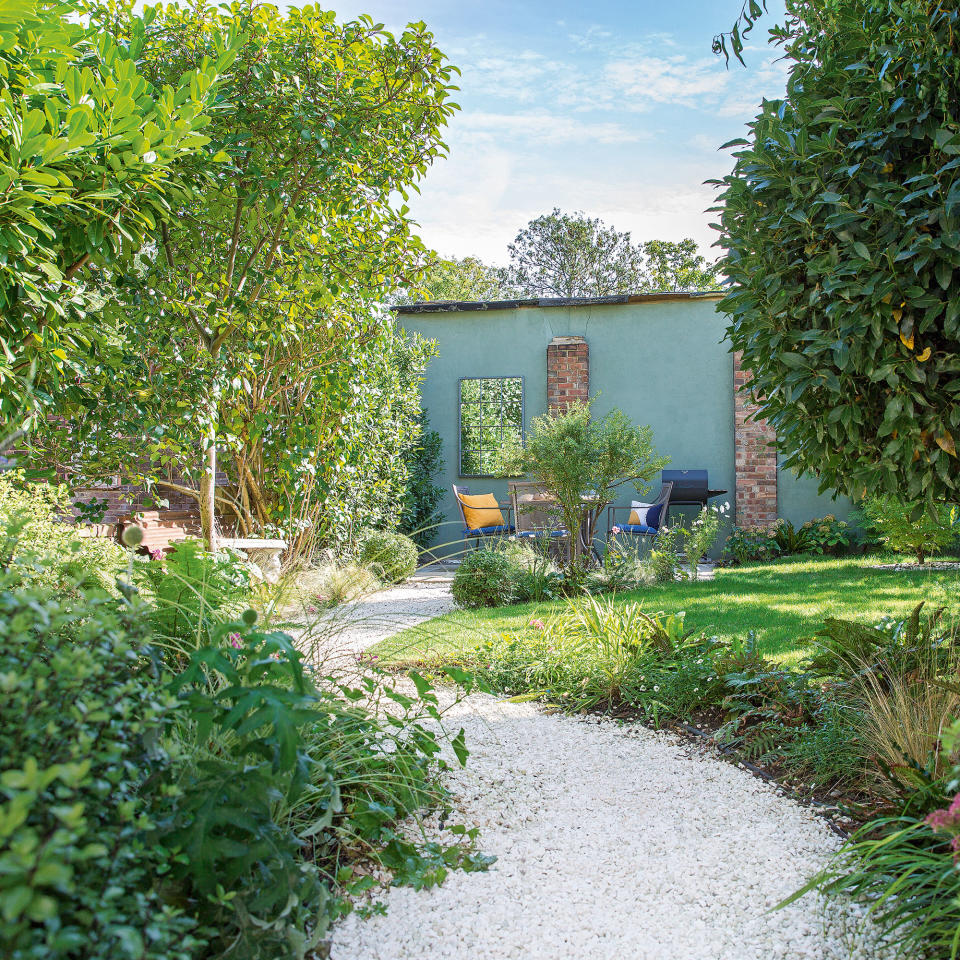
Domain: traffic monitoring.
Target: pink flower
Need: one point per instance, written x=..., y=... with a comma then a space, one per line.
x=615, y=530
x=156, y=554
x=311, y=609
x=947, y=820
x=537, y=624
x=235, y=639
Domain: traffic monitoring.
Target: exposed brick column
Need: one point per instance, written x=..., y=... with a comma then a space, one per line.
x=568, y=372
x=755, y=461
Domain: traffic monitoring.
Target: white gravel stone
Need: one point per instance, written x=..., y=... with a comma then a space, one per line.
x=613, y=842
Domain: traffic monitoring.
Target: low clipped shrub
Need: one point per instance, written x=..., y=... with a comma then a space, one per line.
x=485, y=578
x=83, y=708
x=391, y=556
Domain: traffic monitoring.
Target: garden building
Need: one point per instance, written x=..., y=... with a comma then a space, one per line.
x=661, y=358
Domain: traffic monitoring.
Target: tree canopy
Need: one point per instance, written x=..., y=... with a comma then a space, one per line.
x=573, y=255
x=252, y=327
x=91, y=158
x=841, y=221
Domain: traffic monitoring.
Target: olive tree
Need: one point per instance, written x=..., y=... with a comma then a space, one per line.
x=581, y=461
x=841, y=222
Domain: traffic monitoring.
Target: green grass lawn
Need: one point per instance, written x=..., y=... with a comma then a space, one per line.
x=783, y=602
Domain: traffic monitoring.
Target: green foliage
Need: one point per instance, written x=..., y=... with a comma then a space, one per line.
x=571, y=453
x=923, y=531
x=572, y=255
x=535, y=575
x=92, y=154
x=664, y=563
x=842, y=228
x=485, y=578
x=596, y=654
x=420, y=517
x=392, y=556
x=256, y=318
x=192, y=590
x=907, y=878
x=822, y=535
x=39, y=546
x=453, y=279
x=747, y=545
x=82, y=872
x=702, y=535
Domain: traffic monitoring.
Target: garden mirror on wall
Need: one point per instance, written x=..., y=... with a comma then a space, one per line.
x=491, y=421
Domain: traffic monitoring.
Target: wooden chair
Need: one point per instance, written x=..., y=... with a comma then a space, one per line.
x=642, y=529
x=477, y=534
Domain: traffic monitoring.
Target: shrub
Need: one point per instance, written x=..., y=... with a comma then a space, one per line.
x=825, y=535
x=485, y=578
x=191, y=590
x=42, y=548
x=664, y=564
x=702, y=535
x=748, y=545
x=420, y=517
x=83, y=709
x=535, y=575
x=597, y=654
x=392, y=556
x=911, y=528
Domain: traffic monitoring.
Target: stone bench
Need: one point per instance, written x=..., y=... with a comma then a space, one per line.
x=264, y=553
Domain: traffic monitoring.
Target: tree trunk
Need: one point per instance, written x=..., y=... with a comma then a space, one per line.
x=921, y=556
x=208, y=501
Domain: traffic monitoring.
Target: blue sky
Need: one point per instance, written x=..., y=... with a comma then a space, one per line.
x=613, y=108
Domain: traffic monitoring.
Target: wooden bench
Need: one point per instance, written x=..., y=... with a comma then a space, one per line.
x=161, y=528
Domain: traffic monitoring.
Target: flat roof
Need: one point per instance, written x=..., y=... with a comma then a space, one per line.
x=466, y=306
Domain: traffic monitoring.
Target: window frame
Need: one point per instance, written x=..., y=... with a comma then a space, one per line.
x=480, y=426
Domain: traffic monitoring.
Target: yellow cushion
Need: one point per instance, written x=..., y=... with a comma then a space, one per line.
x=634, y=516
x=482, y=510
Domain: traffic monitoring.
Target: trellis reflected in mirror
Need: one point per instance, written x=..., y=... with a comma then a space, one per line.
x=491, y=419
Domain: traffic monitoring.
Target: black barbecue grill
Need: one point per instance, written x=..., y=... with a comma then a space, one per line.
x=690, y=487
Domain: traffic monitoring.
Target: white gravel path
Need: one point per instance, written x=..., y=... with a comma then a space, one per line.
x=348, y=630
x=612, y=842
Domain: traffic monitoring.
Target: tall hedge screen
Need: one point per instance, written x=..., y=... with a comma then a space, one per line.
x=841, y=221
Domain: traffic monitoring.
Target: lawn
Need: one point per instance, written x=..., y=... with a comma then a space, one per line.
x=783, y=602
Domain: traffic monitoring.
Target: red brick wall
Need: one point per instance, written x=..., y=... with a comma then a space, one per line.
x=568, y=372
x=755, y=460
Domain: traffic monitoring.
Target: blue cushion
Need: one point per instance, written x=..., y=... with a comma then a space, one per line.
x=486, y=531
x=640, y=528
x=542, y=533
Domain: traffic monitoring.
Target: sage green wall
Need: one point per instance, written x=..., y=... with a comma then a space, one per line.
x=663, y=363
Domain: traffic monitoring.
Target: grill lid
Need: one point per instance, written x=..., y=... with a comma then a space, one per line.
x=689, y=485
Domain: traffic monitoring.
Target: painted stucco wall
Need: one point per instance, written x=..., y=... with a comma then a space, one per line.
x=663, y=363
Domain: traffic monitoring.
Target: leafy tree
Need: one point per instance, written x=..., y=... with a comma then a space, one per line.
x=676, y=266
x=269, y=275
x=841, y=221
x=572, y=454
x=90, y=162
x=453, y=279
x=572, y=255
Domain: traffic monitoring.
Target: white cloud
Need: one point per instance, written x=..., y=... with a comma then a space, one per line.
x=543, y=127
x=650, y=80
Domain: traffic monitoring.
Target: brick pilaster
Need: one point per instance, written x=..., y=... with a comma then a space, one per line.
x=568, y=372
x=755, y=460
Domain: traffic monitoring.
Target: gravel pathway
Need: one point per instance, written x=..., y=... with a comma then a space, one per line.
x=350, y=629
x=612, y=842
